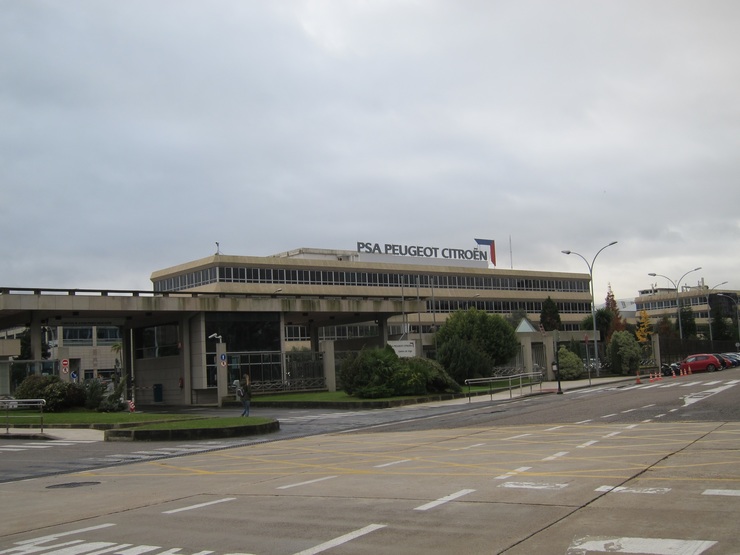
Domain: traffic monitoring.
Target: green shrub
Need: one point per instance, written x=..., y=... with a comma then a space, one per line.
x=375, y=373
x=59, y=395
x=570, y=364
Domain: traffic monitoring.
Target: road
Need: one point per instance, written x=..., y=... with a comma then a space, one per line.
x=622, y=468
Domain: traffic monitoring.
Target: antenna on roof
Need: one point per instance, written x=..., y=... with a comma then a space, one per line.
x=218, y=248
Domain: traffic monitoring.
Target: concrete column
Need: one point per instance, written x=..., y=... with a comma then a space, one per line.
x=526, y=346
x=222, y=386
x=326, y=348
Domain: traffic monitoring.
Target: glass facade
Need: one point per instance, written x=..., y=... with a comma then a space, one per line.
x=283, y=276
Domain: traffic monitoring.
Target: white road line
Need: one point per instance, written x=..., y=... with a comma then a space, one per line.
x=584, y=421
x=714, y=382
x=659, y=416
x=306, y=483
x=198, y=506
x=631, y=426
x=443, y=500
x=623, y=489
x=513, y=473
x=10, y=449
x=628, y=411
x=647, y=546
x=648, y=406
x=587, y=444
x=517, y=437
x=469, y=447
x=341, y=539
x=555, y=456
x=531, y=485
x=728, y=492
x=391, y=463
x=612, y=434
x=609, y=415
x=554, y=428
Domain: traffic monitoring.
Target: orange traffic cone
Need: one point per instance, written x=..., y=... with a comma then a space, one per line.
x=688, y=369
x=637, y=381
x=651, y=377
x=673, y=372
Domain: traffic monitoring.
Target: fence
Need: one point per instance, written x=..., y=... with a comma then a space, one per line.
x=15, y=404
x=512, y=380
x=275, y=371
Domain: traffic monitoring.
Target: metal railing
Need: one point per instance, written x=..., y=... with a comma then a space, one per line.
x=514, y=381
x=14, y=404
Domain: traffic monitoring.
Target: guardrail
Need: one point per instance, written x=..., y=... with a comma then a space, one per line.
x=532, y=378
x=13, y=404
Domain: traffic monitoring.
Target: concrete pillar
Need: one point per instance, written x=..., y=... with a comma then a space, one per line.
x=526, y=346
x=326, y=348
x=222, y=386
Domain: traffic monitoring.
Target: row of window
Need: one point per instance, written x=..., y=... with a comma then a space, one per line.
x=85, y=336
x=366, y=279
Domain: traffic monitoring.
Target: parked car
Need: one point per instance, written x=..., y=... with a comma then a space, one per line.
x=734, y=358
x=723, y=360
x=701, y=363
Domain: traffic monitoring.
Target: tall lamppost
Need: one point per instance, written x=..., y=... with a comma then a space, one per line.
x=593, y=301
x=709, y=311
x=737, y=317
x=677, y=285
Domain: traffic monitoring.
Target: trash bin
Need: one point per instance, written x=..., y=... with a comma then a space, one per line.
x=158, y=393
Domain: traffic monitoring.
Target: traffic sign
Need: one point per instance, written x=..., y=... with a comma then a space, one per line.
x=65, y=363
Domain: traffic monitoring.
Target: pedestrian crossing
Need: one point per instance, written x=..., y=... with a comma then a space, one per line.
x=38, y=445
x=667, y=383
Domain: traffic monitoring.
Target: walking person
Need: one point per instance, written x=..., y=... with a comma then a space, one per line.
x=244, y=393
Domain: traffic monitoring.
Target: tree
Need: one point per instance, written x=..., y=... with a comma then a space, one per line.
x=550, y=316
x=665, y=328
x=688, y=322
x=471, y=342
x=624, y=353
x=603, y=322
x=644, y=329
x=617, y=323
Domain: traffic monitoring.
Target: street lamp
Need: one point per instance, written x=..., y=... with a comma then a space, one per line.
x=593, y=301
x=737, y=317
x=709, y=311
x=556, y=361
x=677, y=285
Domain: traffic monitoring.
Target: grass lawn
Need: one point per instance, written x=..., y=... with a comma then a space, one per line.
x=203, y=423
x=86, y=417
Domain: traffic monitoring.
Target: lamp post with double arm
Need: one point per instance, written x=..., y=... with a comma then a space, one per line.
x=709, y=312
x=677, y=285
x=593, y=301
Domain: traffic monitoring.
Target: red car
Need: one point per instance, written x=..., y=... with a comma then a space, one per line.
x=701, y=363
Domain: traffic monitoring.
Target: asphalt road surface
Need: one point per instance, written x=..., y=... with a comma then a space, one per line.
x=623, y=468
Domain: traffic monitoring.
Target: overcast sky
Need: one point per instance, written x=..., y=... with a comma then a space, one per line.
x=136, y=134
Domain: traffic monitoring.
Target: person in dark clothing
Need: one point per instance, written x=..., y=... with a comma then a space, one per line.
x=244, y=394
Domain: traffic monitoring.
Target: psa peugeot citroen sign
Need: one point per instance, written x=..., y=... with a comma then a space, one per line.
x=423, y=251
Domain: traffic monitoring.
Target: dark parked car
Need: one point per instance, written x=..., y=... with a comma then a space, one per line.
x=734, y=358
x=700, y=363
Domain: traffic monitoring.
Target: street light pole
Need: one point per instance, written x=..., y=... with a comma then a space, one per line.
x=593, y=300
x=737, y=317
x=677, y=285
x=709, y=311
